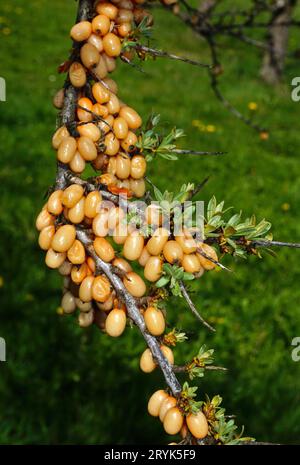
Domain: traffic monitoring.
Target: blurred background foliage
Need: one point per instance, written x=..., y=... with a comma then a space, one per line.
x=61, y=384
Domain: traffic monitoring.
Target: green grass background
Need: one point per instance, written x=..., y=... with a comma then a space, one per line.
x=61, y=384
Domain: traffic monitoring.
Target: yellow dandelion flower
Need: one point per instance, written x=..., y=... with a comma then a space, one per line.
x=252, y=106
x=210, y=128
x=285, y=207
x=6, y=31
x=196, y=123
x=1, y=281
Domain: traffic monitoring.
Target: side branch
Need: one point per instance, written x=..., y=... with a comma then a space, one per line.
x=119, y=200
x=185, y=368
x=262, y=243
x=204, y=255
x=195, y=152
x=143, y=49
x=193, y=308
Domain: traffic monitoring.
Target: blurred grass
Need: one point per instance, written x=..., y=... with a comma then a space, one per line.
x=64, y=385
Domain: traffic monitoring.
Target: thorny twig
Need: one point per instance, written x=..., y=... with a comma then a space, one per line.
x=184, y=368
x=195, y=152
x=162, y=54
x=194, y=310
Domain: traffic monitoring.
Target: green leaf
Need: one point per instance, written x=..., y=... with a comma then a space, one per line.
x=219, y=207
x=270, y=252
x=189, y=391
x=167, y=268
x=216, y=221
x=232, y=243
x=216, y=401
x=196, y=372
x=162, y=281
x=167, y=156
x=158, y=195
x=177, y=271
x=229, y=231
x=209, y=228
x=262, y=228
x=211, y=208
x=188, y=276
x=196, y=406
x=234, y=220
x=154, y=119
x=175, y=289
x=241, y=253
x=244, y=231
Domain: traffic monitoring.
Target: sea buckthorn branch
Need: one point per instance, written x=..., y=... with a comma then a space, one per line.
x=119, y=199
x=262, y=243
x=75, y=224
x=153, y=142
x=143, y=51
x=67, y=116
x=186, y=368
x=212, y=259
x=133, y=43
x=237, y=236
x=85, y=10
x=96, y=117
x=66, y=234
x=250, y=246
x=63, y=176
x=195, y=152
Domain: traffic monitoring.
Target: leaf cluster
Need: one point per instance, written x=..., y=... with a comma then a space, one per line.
x=174, y=337
x=223, y=428
x=187, y=401
x=172, y=275
x=196, y=367
x=234, y=234
x=152, y=142
x=140, y=33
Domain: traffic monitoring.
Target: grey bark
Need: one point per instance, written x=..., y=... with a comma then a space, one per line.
x=274, y=58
